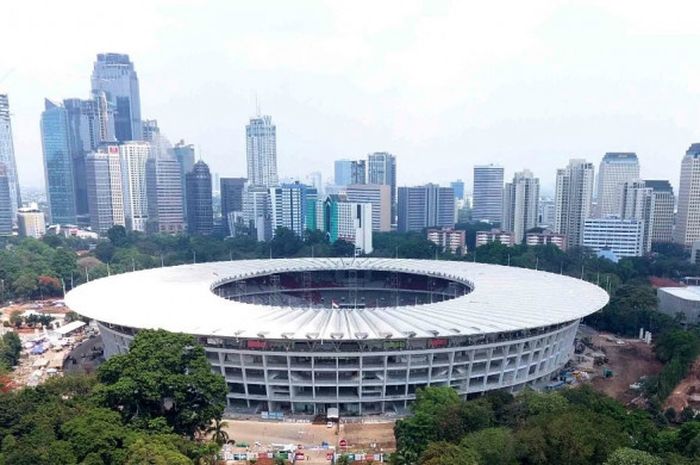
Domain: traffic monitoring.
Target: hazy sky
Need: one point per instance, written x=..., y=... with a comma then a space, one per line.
x=443, y=85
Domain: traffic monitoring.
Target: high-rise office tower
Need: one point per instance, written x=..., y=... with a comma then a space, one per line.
x=379, y=195
x=7, y=155
x=200, y=210
x=288, y=204
x=687, y=228
x=664, y=210
x=637, y=202
x=6, y=217
x=231, y=190
x=426, y=206
x=104, y=186
x=520, y=204
x=114, y=74
x=261, y=151
x=134, y=156
x=342, y=220
x=615, y=169
x=572, y=200
x=83, y=132
x=58, y=163
x=546, y=213
x=31, y=222
x=315, y=180
x=488, y=193
x=350, y=172
x=256, y=211
x=164, y=190
x=184, y=154
x=150, y=129
x=458, y=187
x=381, y=169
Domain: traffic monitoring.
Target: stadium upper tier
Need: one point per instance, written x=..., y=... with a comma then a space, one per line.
x=337, y=299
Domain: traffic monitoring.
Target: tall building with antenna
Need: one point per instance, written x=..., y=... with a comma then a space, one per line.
x=261, y=151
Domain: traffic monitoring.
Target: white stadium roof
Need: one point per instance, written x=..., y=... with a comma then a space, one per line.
x=180, y=299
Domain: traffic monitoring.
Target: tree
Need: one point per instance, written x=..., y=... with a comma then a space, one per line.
x=147, y=451
x=10, y=349
x=97, y=432
x=445, y=453
x=117, y=236
x=627, y=456
x=218, y=434
x=494, y=446
x=164, y=375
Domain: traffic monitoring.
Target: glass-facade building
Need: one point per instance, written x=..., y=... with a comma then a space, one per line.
x=200, y=211
x=58, y=164
x=7, y=155
x=114, y=74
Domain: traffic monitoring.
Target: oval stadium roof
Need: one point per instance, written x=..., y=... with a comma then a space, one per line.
x=180, y=299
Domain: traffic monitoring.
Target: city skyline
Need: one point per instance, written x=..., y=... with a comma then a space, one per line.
x=365, y=110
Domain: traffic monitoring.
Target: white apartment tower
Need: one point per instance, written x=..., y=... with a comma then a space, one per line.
x=261, y=152
x=688, y=218
x=134, y=156
x=616, y=168
x=664, y=210
x=520, y=204
x=103, y=178
x=637, y=202
x=573, y=195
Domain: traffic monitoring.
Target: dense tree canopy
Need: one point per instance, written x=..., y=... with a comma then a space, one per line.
x=577, y=426
x=163, y=376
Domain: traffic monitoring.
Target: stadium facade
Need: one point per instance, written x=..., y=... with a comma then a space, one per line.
x=361, y=335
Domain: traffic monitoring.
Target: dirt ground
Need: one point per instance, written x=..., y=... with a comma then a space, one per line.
x=680, y=397
x=361, y=437
x=628, y=361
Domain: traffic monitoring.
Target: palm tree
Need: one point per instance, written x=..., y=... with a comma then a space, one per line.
x=218, y=434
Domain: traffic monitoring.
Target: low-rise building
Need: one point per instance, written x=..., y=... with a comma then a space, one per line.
x=494, y=235
x=449, y=239
x=546, y=237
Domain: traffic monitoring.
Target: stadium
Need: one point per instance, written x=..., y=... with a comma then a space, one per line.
x=361, y=335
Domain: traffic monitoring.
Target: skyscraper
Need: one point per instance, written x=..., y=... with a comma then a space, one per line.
x=687, y=228
x=184, y=154
x=343, y=220
x=164, y=190
x=150, y=129
x=458, y=187
x=256, y=211
x=488, y=193
x=104, y=186
x=288, y=206
x=261, y=151
x=7, y=155
x=637, y=202
x=134, y=156
x=616, y=168
x=664, y=206
x=425, y=206
x=200, y=210
x=84, y=133
x=58, y=163
x=5, y=202
x=381, y=169
x=350, y=172
x=379, y=195
x=572, y=199
x=114, y=74
x=520, y=204
x=231, y=198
